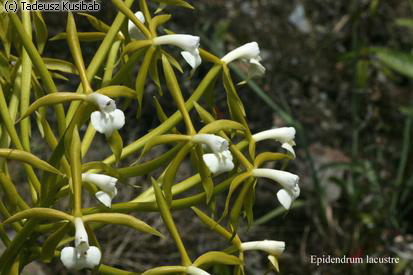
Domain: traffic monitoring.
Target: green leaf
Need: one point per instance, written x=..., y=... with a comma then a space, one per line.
x=96, y=23
x=220, y=125
x=396, y=60
x=205, y=174
x=136, y=45
x=158, y=20
x=28, y=158
x=50, y=99
x=165, y=270
x=267, y=156
x=404, y=22
x=141, y=78
x=173, y=61
x=41, y=213
x=60, y=65
x=82, y=36
x=213, y=225
x=177, y=3
x=122, y=219
x=117, y=91
x=169, y=138
x=40, y=30
x=116, y=144
x=205, y=116
x=49, y=246
x=171, y=171
x=153, y=71
x=236, y=182
x=217, y=257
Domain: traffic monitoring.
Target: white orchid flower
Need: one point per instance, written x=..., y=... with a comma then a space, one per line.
x=249, y=52
x=82, y=255
x=219, y=163
x=216, y=143
x=106, y=184
x=193, y=270
x=275, y=248
x=284, y=135
x=189, y=44
x=287, y=180
x=135, y=32
x=108, y=119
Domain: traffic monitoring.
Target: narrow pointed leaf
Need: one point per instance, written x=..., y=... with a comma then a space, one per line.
x=96, y=23
x=141, y=78
x=169, y=138
x=28, y=158
x=82, y=36
x=116, y=144
x=267, y=156
x=396, y=60
x=49, y=246
x=40, y=29
x=165, y=270
x=158, y=20
x=122, y=219
x=136, y=45
x=220, y=125
x=41, y=213
x=50, y=99
x=60, y=65
x=173, y=61
x=177, y=3
x=117, y=91
x=217, y=257
x=236, y=182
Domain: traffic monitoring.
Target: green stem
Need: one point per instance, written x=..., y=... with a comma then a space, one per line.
x=41, y=67
x=171, y=121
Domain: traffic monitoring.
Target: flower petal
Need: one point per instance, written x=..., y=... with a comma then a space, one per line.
x=287, y=146
x=105, y=103
x=246, y=51
x=192, y=270
x=256, y=69
x=104, y=182
x=285, y=198
x=93, y=257
x=68, y=257
x=104, y=198
x=107, y=122
x=219, y=163
x=192, y=58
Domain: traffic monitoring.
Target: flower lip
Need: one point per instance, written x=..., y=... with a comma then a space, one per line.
x=247, y=51
x=81, y=238
x=219, y=163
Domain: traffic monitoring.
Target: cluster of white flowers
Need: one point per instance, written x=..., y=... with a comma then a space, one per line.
x=219, y=160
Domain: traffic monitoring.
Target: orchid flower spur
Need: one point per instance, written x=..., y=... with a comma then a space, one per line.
x=219, y=163
x=189, y=44
x=287, y=180
x=106, y=183
x=249, y=52
x=135, y=32
x=275, y=248
x=284, y=135
x=82, y=255
x=108, y=118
